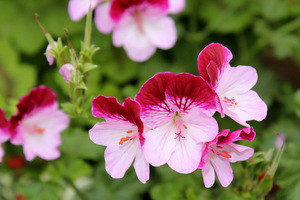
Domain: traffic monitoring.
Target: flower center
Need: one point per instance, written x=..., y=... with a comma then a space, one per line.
x=138, y=19
x=131, y=137
x=34, y=129
x=218, y=150
x=178, y=123
x=230, y=102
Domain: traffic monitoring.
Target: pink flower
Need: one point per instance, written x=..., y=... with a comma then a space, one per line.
x=176, y=6
x=4, y=134
x=50, y=58
x=279, y=140
x=140, y=26
x=38, y=123
x=79, y=8
x=221, y=151
x=122, y=134
x=232, y=84
x=176, y=107
x=66, y=71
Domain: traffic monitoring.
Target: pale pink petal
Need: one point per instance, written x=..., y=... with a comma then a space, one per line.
x=4, y=136
x=280, y=140
x=118, y=158
x=103, y=21
x=159, y=144
x=161, y=32
x=199, y=126
x=18, y=139
x=238, y=152
x=186, y=157
x=139, y=48
x=208, y=174
x=141, y=167
x=42, y=145
x=136, y=43
x=79, y=8
x=66, y=71
x=48, y=118
x=249, y=107
x=236, y=80
x=223, y=170
x=1, y=153
x=176, y=6
x=51, y=121
x=109, y=132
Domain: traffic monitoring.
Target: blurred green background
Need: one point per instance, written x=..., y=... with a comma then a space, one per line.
x=264, y=34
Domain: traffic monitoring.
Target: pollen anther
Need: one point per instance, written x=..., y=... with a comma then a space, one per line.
x=124, y=139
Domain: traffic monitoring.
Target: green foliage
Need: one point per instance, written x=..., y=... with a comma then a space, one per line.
x=251, y=29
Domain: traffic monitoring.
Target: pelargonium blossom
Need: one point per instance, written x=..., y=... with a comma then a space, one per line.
x=50, y=58
x=4, y=134
x=139, y=26
x=66, y=71
x=220, y=152
x=232, y=84
x=177, y=108
x=37, y=124
x=122, y=133
x=79, y=8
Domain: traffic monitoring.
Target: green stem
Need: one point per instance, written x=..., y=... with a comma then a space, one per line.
x=88, y=29
x=275, y=162
x=291, y=26
x=72, y=185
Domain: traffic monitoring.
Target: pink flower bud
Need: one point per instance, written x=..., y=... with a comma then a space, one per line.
x=66, y=71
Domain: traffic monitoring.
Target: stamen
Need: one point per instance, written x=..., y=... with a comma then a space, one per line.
x=124, y=139
x=184, y=126
x=138, y=20
x=129, y=131
x=39, y=130
x=225, y=154
x=178, y=135
x=230, y=102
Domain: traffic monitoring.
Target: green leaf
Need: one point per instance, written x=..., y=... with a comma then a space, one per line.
x=81, y=86
x=36, y=190
x=88, y=67
x=18, y=78
x=76, y=143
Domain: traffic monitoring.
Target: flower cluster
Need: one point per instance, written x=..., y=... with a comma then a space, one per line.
x=140, y=26
x=171, y=120
x=36, y=125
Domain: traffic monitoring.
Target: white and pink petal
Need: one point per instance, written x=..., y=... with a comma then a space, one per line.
x=161, y=31
x=223, y=170
x=118, y=158
x=186, y=156
x=141, y=167
x=79, y=8
x=176, y=6
x=155, y=109
x=185, y=91
x=236, y=80
x=102, y=18
x=110, y=132
x=249, y=106
x=208, y=174
x=217, y=53
x=201, y=127
x=160, y=143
